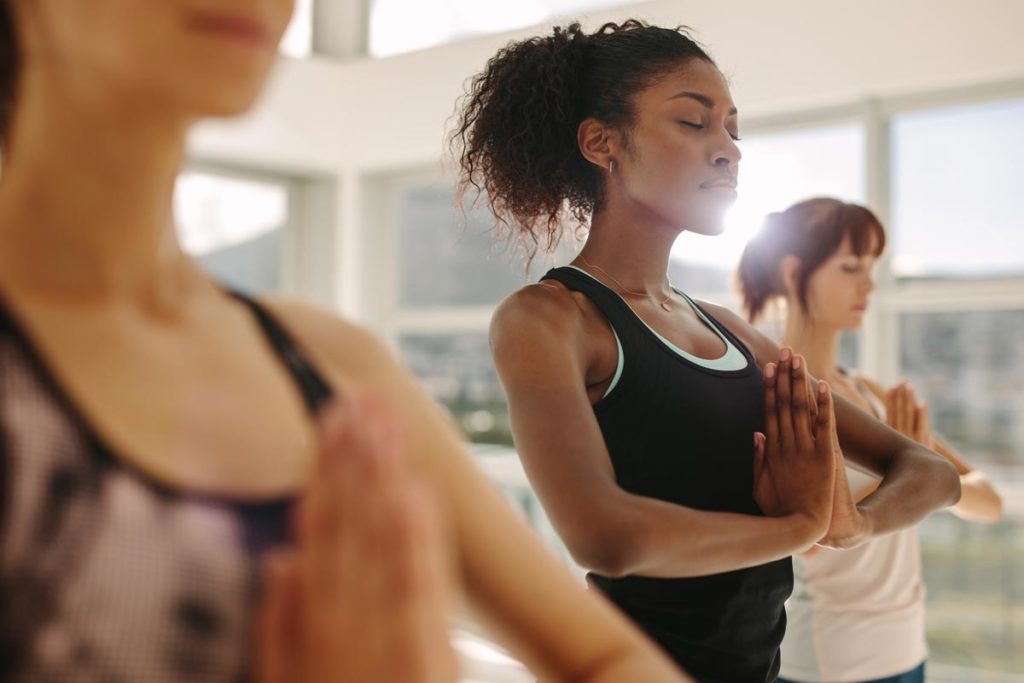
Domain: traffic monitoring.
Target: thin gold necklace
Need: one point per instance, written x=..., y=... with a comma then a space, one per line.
x=664, y=303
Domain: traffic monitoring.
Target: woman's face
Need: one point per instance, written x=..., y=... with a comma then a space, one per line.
x=838, y=292
x=682, y=159
x=189, y=57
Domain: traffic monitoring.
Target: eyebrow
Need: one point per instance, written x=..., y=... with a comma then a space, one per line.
x=703, y=99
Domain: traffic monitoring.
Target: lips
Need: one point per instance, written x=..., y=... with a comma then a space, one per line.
x=726, y=182
x=238, y=28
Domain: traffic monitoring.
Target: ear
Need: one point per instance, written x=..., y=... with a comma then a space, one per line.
x=789, y=274
x=598, y=142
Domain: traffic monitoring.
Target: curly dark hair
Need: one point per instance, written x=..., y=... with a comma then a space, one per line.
x=8, y=69
x=515, y=137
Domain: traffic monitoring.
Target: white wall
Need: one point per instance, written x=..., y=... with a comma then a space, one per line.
x=344, y=119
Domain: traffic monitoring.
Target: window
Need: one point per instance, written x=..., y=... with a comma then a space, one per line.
x=451, y=273
x=777, y=170
x=234, y=226
x=398, y=26
x=969, y=366
x=258, y=232
x=958, y=200
x=449, y=259
x=458, y=371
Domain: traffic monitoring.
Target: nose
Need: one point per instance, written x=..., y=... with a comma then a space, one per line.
x=727, y=153
x=869, y=283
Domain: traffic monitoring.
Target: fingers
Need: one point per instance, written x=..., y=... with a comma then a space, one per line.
x=901, y=409
x=923, y=426
x=276, y=622
x=758, y=455
x=825, y=426
x=891, y=415
x=346, y=513
x=421, y=595
x=371, y=542
x=803, y=428
x=812, y=401
x=771, y=406
x=784, y=400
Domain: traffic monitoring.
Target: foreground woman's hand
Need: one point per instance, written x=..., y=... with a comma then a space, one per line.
x=794, y=463
x=364, y=596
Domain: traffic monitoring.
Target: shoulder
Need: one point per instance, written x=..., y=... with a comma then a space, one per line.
x=547, y=309
x=870, y=384
x=542, y=329
x=764, y=349
x=344, y=350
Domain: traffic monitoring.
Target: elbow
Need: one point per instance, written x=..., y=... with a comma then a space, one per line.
x=951, y=479
x=605, y=552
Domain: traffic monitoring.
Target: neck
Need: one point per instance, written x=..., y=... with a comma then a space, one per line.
x=632, y=252
x=85, y=204
x=819, y=346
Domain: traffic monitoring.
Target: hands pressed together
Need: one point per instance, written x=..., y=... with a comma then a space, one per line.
x=798, y=465
x=363, y=596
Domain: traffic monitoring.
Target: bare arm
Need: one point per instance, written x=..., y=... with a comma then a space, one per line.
x=980, y=502
x=536, y=337
x=535, y=606
x=915, y=480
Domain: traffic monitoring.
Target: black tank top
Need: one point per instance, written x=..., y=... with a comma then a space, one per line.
x=683, y=433
x=105, y=573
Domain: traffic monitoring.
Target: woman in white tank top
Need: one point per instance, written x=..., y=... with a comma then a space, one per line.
x=855, y=615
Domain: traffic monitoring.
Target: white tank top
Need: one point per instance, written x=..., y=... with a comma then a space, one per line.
x=856, y=614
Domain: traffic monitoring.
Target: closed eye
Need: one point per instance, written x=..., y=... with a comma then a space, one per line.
x=700, y=126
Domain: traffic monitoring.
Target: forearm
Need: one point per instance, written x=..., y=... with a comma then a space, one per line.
x=916, y=483
x=637, y=666
x=979, y=502
x=663, y=540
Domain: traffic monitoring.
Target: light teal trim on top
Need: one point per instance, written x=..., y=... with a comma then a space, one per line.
x=618, y=365
x=733, y=359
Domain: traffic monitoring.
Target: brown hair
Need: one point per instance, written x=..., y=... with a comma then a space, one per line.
x=811, y=230
x=9, y=62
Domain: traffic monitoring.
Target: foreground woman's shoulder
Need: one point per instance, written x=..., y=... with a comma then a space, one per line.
x=339, y=347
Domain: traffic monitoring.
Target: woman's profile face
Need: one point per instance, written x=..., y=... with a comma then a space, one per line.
x=683, y=159
x=192, y=58
x=839, y=291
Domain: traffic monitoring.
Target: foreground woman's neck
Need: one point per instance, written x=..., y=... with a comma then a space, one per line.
x=86, y=197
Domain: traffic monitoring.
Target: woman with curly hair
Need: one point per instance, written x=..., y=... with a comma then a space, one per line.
x=855, y=615
x=681, y=455
x=164, y=441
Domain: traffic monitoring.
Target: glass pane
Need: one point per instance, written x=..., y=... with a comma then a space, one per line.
x=777, y=170
x=969, y=366
x=233, y=226
x=446, y=260
x=298, y=38
x=457, y=371
x=398, y=26
x=957, y=191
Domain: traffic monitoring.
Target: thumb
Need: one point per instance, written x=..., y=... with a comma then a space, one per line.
x=759, y=441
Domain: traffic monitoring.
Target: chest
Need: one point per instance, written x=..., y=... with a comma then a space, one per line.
x=679, y=328
x=198, y=406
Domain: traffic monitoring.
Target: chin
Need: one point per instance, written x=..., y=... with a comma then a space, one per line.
x=217, y=102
